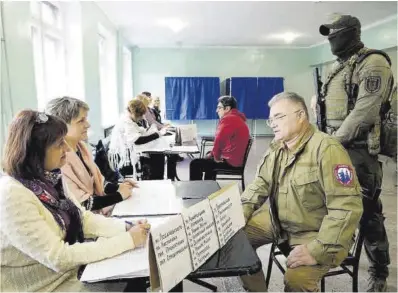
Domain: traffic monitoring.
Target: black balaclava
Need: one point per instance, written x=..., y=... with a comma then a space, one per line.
x=344, y=35
x=346, y=42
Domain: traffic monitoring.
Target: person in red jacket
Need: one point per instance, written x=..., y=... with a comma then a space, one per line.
x=231, y=139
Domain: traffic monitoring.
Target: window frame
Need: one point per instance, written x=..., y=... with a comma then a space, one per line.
x=44, y=31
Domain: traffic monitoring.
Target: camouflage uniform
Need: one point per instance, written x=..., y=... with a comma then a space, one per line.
x=318, y=204
x=355, y=122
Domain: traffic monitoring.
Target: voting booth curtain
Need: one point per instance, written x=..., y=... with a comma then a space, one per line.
x=191, y=98
x=253, y=94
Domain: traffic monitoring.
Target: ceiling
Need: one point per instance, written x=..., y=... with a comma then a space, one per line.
x=234, y=23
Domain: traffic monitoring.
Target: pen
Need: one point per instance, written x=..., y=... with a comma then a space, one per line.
x=146, y=226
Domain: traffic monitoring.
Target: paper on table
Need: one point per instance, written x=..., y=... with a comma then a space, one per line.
x=153, y=197
x=131, y=264
x=161, y=144
x=185, y=149
x=188, y=132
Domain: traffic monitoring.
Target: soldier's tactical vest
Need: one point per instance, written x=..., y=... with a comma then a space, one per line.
x=340, y=91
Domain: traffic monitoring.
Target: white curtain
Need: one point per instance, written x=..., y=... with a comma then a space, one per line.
x=6, y=107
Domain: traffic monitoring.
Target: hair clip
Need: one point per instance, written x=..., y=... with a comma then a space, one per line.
x=41, y=118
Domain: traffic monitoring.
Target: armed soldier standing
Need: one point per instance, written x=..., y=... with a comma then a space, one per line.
x=354, y=93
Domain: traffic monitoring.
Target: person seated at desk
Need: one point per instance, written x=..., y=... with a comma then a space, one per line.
x=150, y=116
x=130, y=130
x=314, y=196
x=80, y=172
x=43, y=227
x=153, y=106
x=230, y=143
x=156, y=109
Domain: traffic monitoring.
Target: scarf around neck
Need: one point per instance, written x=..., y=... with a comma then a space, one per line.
x=51, y=194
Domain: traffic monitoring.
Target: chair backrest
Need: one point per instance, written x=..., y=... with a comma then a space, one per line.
x=108, y=131
x=249, y=146
x=101, y=159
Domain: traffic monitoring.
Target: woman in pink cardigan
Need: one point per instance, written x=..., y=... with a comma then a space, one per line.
x=80, y=172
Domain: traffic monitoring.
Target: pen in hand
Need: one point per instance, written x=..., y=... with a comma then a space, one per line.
x=139, y=222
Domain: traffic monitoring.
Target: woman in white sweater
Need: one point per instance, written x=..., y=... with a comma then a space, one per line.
x=130, y=133
x=42, y=228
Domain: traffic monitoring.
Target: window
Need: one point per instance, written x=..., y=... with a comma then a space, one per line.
x=127, y=76
x=56, y=67
x=48, y=51
x=107, y=72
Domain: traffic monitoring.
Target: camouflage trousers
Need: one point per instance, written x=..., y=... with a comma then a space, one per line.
x=370, y=176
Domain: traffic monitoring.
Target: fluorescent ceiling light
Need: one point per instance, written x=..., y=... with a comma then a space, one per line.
x=288, y=37
x=175, y=24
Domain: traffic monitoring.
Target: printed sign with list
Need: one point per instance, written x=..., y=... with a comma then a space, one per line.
x=201, y=232
x=228, y=212
x=170, y=246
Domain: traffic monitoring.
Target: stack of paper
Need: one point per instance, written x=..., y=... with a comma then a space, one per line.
x=153, y=197
x=131, y=264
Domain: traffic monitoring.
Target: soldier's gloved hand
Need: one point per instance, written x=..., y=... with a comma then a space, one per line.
x=300, y=256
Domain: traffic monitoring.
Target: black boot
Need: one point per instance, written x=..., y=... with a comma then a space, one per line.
x=376, y=284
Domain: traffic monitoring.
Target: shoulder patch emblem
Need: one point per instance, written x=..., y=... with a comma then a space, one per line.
x=372, y=84
x=344, y=174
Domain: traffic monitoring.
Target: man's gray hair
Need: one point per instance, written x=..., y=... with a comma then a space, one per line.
x=66, y=108
x=291, y=96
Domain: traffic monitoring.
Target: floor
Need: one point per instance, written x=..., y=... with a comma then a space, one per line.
x=333, y=284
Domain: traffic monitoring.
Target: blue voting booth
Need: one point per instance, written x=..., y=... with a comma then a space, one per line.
x=191, y=98
x=253, y=94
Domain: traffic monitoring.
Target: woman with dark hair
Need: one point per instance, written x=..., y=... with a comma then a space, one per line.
x=80, y=173
x=43, y=228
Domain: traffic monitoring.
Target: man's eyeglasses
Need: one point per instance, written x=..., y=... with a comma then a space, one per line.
x=220, y=107
x=269, y=121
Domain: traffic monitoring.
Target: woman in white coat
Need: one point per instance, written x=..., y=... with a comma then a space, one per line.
x=129, y=134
